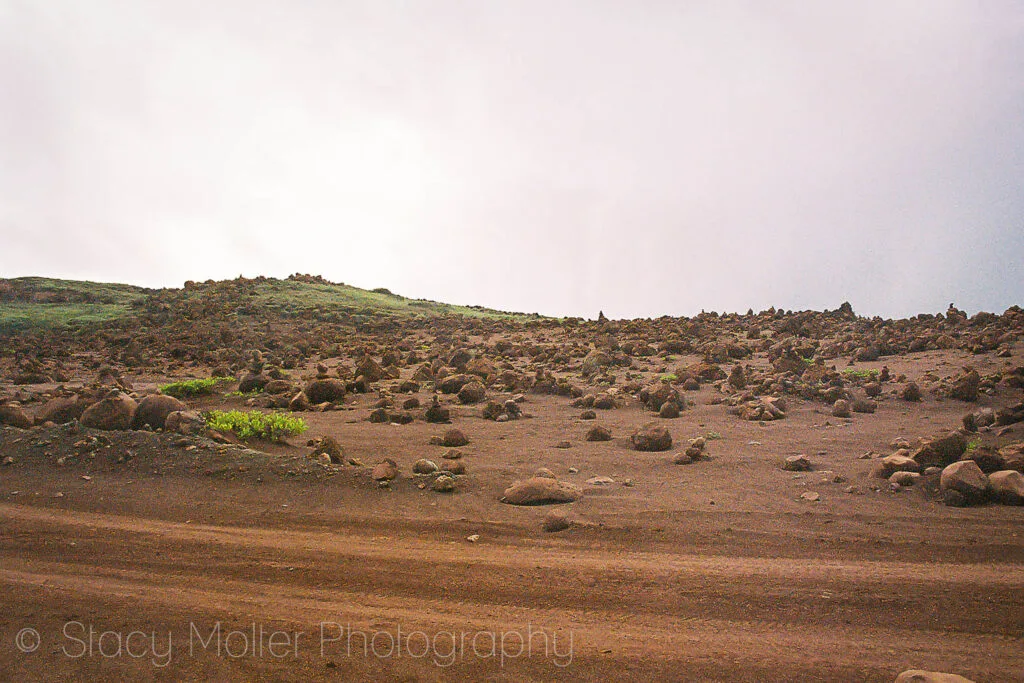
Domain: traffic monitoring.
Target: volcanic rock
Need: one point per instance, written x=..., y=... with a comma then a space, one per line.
x=651, y=437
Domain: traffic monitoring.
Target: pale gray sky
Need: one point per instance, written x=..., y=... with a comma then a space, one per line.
x=559, y=156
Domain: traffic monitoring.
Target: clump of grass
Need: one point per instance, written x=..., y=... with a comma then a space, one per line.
x=972, y=446
x=860, y=374
x=256, y=425
x=669, y=377
x=240, y=394
x=193, y=387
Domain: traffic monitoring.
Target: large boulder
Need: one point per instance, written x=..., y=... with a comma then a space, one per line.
x=966, y=387
x=183, y=422
x=594, y=361
x=1013, y=456
x=651, y=437
x=452, y=384
x=14, y=415
x=154, y=409
x=386, y=470
x=659, y=393
x=115, y=412
x=941, y=451
x=481, y=367
x=251, y=382
x=62, y=409
x=1007, y=487
x=325, y=391
x=472, y=392
x=453, y=438
x=368, y=368
x=540, y=491
x=897, y=462
x=966, y=479
x=437, y=413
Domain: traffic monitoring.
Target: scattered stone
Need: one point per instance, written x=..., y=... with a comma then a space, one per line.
x=669, y=410
x=966, y=387
x=115, y=412
x=598, y=433
x=454, y=466
x=841, y=408
x=904, y=478
x=540, y=491
x=911, y=392
x=444, y=484
x=967, y=479
x=154, y=409
x=1007, y=487
x=424, y=466
x=941, y=451
x=600, y=481
x=325, y=391
x=437, y=414
x=812, y=496
x=14, y=415
x=386, y=470
x=328, y=446
x=651, y=438
x=899, y=461
x=472, y=392
x=864, y=405
x=453, y=438
x=797, y=463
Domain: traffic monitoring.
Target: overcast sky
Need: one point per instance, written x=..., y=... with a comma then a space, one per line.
x=559, y=156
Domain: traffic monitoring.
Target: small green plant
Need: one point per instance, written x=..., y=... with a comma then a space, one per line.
x=669, y=377
x=256, y=425
x=240, y=394
x=860, y=374
x=193, y=387
x=973, y=445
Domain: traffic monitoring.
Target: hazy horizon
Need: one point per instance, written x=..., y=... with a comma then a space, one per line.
x=562, y=158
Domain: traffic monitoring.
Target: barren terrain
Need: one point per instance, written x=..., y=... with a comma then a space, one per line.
x=187, y=554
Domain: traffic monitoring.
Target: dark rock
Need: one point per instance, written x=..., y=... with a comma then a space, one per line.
x=651, y=438
x=154, y=409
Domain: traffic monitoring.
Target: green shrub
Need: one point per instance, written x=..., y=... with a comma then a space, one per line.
x=860, y=374
x=256, y=425
x=193, y=387
x=669, y=377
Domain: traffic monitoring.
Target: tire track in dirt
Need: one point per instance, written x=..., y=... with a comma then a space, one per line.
x=619, y=606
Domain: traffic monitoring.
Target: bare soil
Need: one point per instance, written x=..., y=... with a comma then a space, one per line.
x=717, y=570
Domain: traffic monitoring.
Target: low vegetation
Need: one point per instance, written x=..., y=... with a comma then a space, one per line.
x=193, y=387
x=256, y=425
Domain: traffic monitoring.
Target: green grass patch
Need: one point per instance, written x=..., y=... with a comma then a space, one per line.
x=669, y=377
x=38, y=302
x=860, y=374
x=194, y=387
x=256, y=425
x=972, y=446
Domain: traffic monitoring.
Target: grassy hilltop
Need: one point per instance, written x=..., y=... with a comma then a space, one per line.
x=38, y=302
